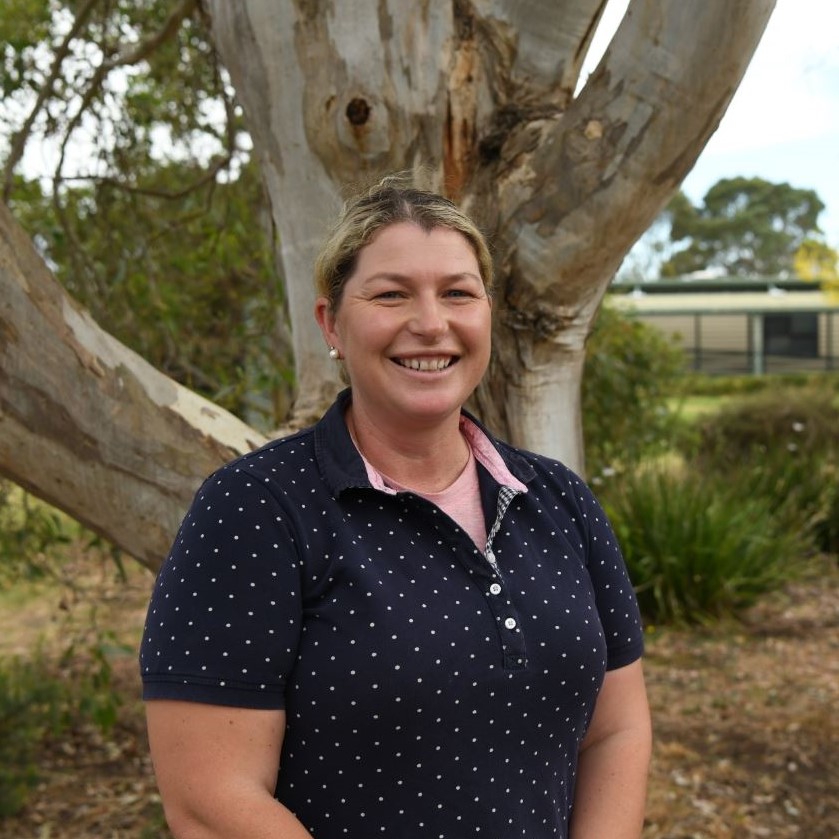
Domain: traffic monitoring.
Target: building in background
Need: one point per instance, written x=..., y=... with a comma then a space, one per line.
x=732, y=327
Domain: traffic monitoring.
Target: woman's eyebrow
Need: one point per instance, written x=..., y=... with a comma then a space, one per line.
x=395, y=276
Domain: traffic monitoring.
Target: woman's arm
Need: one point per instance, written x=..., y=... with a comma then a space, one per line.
x=216, y=769
x=614, y=760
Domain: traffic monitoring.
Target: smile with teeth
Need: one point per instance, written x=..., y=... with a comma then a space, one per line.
x=426, y=364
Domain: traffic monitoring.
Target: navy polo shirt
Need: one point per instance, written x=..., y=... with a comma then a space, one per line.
x=431, y=689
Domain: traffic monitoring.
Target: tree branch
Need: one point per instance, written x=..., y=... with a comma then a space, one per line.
x=21, y=136
x=124, y=58
x=126, y=447
x=145, y=48
x=626, y=142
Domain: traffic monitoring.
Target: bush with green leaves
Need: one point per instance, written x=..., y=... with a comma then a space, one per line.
x=40, y=696
x=786, y=442
x=40, y=699
x=701, y=384
x=631, y=370
x=30, y=534
x=699, y=548
x=31, y=707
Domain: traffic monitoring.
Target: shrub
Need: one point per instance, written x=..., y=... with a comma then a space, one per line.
x=39, y=700
x=631, y=370
x=30, y=531
x=787, y=442
x=698, y=549
x=31, y=707
x=700, y=384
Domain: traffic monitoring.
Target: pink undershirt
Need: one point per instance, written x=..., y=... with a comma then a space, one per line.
x=461, y=500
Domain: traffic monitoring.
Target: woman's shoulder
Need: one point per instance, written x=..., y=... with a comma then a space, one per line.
x=269, y=464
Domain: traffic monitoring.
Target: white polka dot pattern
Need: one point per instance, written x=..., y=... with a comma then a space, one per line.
x=431, y=690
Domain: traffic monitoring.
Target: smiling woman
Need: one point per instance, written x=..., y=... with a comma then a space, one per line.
x=413, y=326
x=393, y=623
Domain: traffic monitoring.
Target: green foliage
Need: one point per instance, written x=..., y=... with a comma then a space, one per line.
x=747, y=227
x=31, y=707
x=30, y=534
x=87, y=668
x=45, y=697
x=109, y=73
x=161, y=228
x=24, y=25
x=41, y=700
x=189, y=285
x=753, y=495
x=699, y=549
x=816, y=260
x=631, y=370
x=700, y=384
x=787, y=442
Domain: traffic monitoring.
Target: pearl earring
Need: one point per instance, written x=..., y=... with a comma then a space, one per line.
x=334, y=353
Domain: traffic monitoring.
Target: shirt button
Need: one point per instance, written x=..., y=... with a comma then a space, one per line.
x=495, y=588
x=510, y=623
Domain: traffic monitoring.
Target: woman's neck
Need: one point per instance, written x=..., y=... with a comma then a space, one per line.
x=427, y=460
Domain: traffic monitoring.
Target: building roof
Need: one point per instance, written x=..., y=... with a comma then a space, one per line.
x=723, y=297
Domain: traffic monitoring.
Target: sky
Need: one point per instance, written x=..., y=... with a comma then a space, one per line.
x=783, y=122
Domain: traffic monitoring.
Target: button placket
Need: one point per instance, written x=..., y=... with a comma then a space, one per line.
x=506, y=619
x=509, y=634
x=511, y=639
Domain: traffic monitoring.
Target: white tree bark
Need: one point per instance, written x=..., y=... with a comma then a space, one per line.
x=89, y=426
x=593, y=184
x=482, y=94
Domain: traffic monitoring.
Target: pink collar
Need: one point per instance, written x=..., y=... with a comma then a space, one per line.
x=482, y=449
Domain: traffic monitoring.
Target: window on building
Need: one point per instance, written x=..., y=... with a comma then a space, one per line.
x=795, y=334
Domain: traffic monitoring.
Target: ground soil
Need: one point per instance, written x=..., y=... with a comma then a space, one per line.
x=747, y=730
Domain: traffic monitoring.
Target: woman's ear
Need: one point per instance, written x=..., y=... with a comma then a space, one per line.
x=325, y=317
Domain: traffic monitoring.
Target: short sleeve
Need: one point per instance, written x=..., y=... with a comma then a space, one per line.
x=617, y=604
x=223, y=624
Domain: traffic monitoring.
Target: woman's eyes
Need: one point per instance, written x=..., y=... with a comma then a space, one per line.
x=456, y=293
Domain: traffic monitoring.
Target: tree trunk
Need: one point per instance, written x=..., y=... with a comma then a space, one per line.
x=478, y=98
x=89, y=426
x=482, y=95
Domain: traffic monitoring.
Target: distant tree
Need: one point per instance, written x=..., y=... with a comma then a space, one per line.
x=747, y=227
x=643, y=263
x=816, y=260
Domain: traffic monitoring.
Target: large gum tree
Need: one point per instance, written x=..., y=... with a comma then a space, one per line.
x=479, y=99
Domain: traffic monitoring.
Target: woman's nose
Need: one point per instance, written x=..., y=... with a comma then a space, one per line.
x=428, y=318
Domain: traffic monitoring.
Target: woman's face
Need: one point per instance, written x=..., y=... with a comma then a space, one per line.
x=413, y=326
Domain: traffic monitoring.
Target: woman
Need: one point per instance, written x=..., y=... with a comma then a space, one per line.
x=393, y=624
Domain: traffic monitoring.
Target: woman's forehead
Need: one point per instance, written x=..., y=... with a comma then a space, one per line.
x=408, y=244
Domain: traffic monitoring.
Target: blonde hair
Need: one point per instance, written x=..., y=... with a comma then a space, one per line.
x=391, y=201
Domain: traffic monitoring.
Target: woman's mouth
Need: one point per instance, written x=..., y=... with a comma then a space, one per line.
x=427, y=364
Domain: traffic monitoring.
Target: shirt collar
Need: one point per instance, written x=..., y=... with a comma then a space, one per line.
x=343, y=468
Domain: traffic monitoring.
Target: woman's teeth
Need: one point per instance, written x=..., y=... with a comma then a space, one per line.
x=426, y=363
